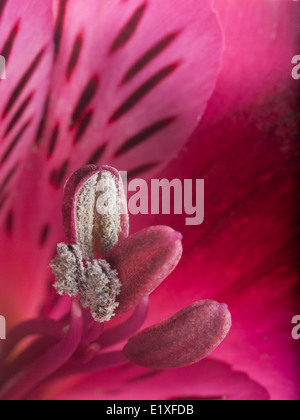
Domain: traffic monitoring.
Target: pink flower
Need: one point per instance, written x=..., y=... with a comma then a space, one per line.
x=124, y=85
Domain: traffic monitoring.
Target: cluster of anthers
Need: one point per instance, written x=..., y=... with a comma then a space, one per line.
x=108, y=273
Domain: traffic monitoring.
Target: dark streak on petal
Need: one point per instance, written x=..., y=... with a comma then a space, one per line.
x=23, y=82
x=74, y=56
x=149, y=56
x=59, y=25
x=57, y=177
x=141, y=169
x=40, y=130
x=8, y=178
x=9, y=222
x=15, y=141
x=96, y=155
x=145, y=134
x=53, y=140
x=19, y=113
x=2, y=5
x=128, y=30
x=142, y=91
x=83, y=126
x=10, y=41
x=3, y=200
x=44, y=235
x=86, y=97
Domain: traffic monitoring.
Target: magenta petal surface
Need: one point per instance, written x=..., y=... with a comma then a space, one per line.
x=143, y=261
x=209, y=379
x=186, y=338
x=26, y=41
x=121, y=89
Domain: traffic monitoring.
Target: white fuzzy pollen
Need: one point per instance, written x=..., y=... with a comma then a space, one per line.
x=98, y=208
x=108, y=208
x=96, y=283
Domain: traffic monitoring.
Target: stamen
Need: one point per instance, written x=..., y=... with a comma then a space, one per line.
x=185, y=338
x=99, y=290
x=95, y=281
x=51, y=361
x=95, y=210
x=68, y=269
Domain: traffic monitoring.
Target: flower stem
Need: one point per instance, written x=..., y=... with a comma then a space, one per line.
x=49, y=363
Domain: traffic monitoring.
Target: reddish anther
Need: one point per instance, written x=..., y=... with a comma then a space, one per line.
x=185, y=338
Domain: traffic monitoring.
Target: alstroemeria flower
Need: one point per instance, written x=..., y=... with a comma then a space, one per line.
x=124, y=84
x=112, y=274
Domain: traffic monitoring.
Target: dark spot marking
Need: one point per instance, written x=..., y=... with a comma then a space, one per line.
x=83, y=126
x=3, y=200
x=142, y=91
x=128, y=30
x=44, y=235
x=53, y=140
x=149, y=56
x=15, y=141
x=141, y=169
x=9, y=222
x=145, y=134
x=2, y=5
x=23, y=82
x=41, y=126
x=8, y=177
x=96, y=156
x=10, y=41
x=57, y=176
x=74, y=56
x=86, y=97
x=18, y=114
x=59, y=25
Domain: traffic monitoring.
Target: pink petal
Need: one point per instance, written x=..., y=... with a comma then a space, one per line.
x=26, y=42
x=129, y=77
x=143, y=261
x=28, y=66
x=184, y=339
x=246, y=253
x=85, y=92
x=207, y=380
